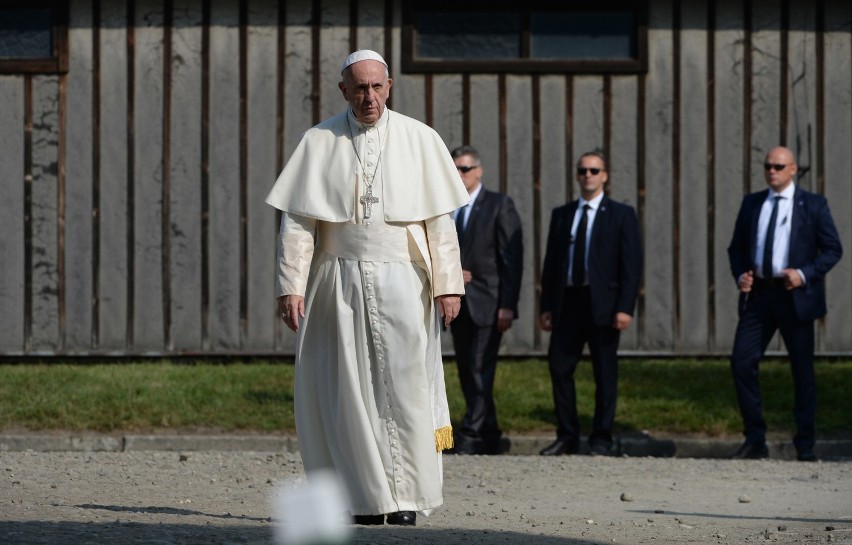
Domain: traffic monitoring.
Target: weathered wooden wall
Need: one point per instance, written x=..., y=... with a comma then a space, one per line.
x=132, y=219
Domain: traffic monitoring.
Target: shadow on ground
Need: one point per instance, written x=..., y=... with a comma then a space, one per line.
x=123, y=533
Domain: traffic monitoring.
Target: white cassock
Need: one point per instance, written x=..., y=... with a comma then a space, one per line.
x=370, y=398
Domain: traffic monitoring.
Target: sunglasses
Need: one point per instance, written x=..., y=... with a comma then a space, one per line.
x=777, y=167
x=466, y=169
x=582, y=171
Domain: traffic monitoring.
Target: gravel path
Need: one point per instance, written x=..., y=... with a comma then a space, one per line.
x=223, y=498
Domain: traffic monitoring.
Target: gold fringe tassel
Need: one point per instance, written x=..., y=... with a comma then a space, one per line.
x=443, y=438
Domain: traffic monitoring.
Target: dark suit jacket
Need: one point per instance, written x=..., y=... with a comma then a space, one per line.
x=493, y=252
x=615, y=260
x=814, y=247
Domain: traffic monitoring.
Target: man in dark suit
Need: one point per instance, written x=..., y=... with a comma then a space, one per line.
x=589, y=285
x=784, y=243
x=489, y=231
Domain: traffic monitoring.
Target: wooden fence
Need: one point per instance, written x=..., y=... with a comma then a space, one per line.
x=132, y=220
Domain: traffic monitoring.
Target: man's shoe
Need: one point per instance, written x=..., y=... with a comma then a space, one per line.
x=402, y=518
x=560, y=446
x=751, y=451
x=369, y=520
x=806, y=455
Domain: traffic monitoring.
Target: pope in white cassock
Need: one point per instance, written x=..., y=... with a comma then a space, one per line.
x=368, y=267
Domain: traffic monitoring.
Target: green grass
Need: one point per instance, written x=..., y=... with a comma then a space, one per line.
x=662, y=396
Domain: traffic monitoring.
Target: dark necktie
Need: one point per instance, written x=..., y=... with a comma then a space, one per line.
x=578, y=263
x=460, y=225
x=770, y=240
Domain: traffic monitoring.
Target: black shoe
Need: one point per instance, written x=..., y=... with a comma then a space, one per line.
x=402, y=518
x=560, y=446
x=806, y=455
x=751, y=451
x=369, y=520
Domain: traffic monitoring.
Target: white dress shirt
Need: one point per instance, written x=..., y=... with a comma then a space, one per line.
x=594, y=204
x=783, y=223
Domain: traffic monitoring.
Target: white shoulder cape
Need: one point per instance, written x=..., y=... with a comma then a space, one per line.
x=420, y=180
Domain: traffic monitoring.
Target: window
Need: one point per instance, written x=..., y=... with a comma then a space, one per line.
x=33, y=36
x=538, y=36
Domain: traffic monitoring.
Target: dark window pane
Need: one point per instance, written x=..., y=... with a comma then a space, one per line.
x=26, y=33
x=582, y=35
x=469, y=35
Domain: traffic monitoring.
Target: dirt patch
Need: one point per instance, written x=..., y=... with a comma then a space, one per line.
x=223, y=497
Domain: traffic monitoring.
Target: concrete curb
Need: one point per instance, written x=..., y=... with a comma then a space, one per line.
x=632, y=445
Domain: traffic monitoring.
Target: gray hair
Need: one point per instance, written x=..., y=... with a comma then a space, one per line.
x=465, y=150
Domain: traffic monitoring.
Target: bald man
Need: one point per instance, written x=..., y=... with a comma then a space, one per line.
x=783, y=245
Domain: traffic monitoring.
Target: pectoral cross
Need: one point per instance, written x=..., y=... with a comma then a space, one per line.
x=368, y=200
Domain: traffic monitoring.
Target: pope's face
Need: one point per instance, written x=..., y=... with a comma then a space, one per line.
x=366, y=88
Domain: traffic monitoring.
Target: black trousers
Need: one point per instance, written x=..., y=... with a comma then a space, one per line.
x=476, y=358
x=770, y=309
x=572, y=330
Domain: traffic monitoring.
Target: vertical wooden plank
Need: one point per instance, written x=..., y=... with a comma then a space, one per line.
x=148, y=332
x=623, y=166
x=447, y=105
x=408, y=92
x=694, y=281
x=334, y=47
x=262, y=229
x=224, y=176
x=834, y=333
x=588, y=115
x=371, y=26
x=519, y=173
x=12, y=214
x=658, y=220
x=765, y=85
x=297, y=111
x=727, y=166
x=554, y=177
x=765, y=95
x=113, y=174
x=484, y=111
x=801, y=106
x=185, y=177
x=45, y=309
x=78, y=182
x=297, y=106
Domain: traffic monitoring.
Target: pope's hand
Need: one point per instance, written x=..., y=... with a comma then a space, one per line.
x=449, y=306
x=291, y=308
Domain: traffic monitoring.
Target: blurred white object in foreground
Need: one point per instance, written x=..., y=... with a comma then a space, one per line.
x=312, y=513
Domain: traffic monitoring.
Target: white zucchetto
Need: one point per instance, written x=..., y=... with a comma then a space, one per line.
x=361, y=55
